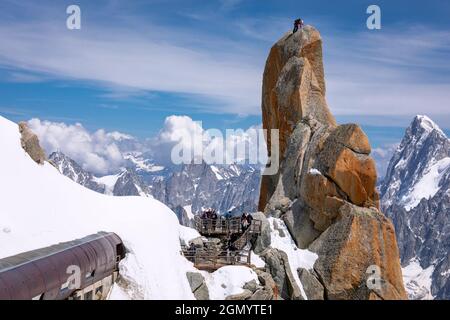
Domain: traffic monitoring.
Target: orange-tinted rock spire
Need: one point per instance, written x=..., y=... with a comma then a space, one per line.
x=325, y=188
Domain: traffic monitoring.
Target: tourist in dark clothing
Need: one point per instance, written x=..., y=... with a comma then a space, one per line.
x=298, y=24
x=191, y=251
x=213, y=218
x=244, y=222
x=249, y=219
x=228, y=215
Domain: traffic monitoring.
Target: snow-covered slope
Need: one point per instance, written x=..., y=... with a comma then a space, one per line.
x=415, y=195
x=40, y=207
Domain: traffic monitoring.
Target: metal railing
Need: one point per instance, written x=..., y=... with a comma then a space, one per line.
x=224, y=226
x=214, y=259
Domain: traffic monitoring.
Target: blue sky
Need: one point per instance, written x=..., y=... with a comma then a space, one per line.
x=134, y=63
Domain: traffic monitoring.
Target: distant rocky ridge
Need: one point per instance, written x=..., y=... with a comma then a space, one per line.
x=416, y=196
x=325, y=189
x=233, y=188
x=74, y=171
x=186, y=189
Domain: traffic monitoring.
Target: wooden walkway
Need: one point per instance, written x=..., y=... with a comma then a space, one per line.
x=226, y=229
x=212, y=260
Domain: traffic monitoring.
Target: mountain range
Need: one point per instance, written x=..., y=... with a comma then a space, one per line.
x=186, y=189
x=415, y=194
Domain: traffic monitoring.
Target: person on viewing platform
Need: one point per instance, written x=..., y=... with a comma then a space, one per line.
x=245, y=221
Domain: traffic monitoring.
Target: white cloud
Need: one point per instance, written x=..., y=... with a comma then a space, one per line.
x=97, y=152
x=177, y=130
x=102, y=152
x=190, y=136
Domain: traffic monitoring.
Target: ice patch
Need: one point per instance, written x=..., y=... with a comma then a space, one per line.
x=417, y=280
x=228, y=281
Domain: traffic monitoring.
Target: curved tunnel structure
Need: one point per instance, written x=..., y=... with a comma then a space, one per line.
x=47, y=273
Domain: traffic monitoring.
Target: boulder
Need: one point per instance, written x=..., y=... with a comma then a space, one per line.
x=261, y=294
x=278, y=266
x=352, y=137
x=314, y=290
x=265, y=279
x=202, y=293
x=268, y=283
x=241, y=296
x=353, y=172
x=198, y=285
x=300, y=225
x=195, y=280
x=252, y=286
x=30, y=143
x=198, y=242
x=348, y=250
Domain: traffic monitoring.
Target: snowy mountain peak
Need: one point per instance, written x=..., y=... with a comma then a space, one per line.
x=426, y=124
x=418, y=166
x=415, y=196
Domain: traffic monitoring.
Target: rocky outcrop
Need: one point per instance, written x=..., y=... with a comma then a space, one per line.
x=325, y=188
x=264, y=238
x=359, y=239
x=245, y=295
x=314, y=290
x=278, y=265
x=183, y=217
x=30, y=143
x=198, y=285
x=293, y=89
x=254, y=291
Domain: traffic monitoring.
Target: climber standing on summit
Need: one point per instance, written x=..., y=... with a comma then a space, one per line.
x=298, y=24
